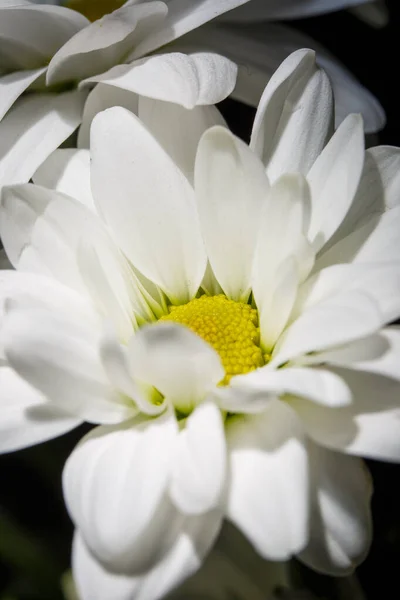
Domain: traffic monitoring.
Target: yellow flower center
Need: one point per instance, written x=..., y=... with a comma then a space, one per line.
x=94, y=9
x=230, y=327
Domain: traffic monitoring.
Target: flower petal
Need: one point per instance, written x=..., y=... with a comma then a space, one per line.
x=183, y=16
x=294, y=117
x=199, y=464
x=340, y=519
x=26, y=419
x=286, y=9
x=105, y=42
x=67, y=171
x=33, y=129
x=148, y=204
x=58, y=355
x=177, y=129
x=338, y=320
x=177, y=362
x=334, y=180
x=370, y=426
x=184, y=558
x=268, y=496
x=231, y=188
x=114, y=486
x=187, y=80
x=13, y=85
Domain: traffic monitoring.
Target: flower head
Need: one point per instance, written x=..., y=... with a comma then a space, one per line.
x=227, y=336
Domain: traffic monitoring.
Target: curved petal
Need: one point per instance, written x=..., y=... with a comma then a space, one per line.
x=340, y=518
x=183, y=16
x=370, y=425
x=294, y=117
x=187, y=80
x=184, y=558
x=114, y=486
x=177, y=362
x=13, y=85
x=387, y=161
x=25, y=418
x=334, y=179
x=285, y=9
x=268, y=495
x=58, y=355
x=30, y=34
x=105, y=42
x=231, y=188
x=148, y=203
x=199, y=463
x=67, y=171
x=33, y=129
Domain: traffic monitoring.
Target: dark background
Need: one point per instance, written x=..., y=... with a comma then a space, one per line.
x=34, y=530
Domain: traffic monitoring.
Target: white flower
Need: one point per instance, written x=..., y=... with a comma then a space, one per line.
x=298, y=234
x=57, y=55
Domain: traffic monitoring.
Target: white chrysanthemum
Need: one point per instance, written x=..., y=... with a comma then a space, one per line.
x=227, y=337
x=58, y=55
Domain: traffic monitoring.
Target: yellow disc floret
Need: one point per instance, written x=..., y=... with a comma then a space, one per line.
x=230, y=327
x=94, y=9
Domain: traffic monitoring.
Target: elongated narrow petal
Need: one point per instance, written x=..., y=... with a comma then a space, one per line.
x=13, y=85
x=340, y=518
x=25, y=416
x=370, y=426
x=290, y=139
x=67, y=171
x=105, y=42
x=114, y=484
x=183, y=16
x=268, y=494
x=58, y=355
x=199, y=469
x=187, y=553
x=286, y=9
x=177, y=362
x=143, y=196
x=231, y=188
x=33, y=129
x=187, y=80
x=334, y=180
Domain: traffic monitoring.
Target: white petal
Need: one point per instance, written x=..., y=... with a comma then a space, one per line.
x=381, y=282
x=105, y=42
x=199, y=464
x=340, y=319
x=286, y=9
x=33, y=129
x=387, y=161
x=94, y=582
x=334, y=180
x=294, y=117
x=231, y=188
x=67, y=171
x=340, y=519
x=370, y=426
x=177, y=362
x=25, y=418
x=268, y=493
x=30, y=34
x=13, y=85
x=101, y=97
x=376, y=241
x=114, y=486
x=178, y=129
x=41, y=231
x=183, y=16
x=187, y=80
x=59, y=356
x=148, y=203
x=319, y=385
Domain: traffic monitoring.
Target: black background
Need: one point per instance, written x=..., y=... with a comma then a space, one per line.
x=30, y=485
